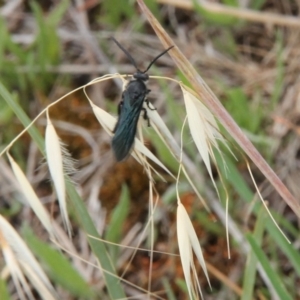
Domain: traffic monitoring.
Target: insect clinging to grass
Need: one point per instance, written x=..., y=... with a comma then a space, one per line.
x=130, y=107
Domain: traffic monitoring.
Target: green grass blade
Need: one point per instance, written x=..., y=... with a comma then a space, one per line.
x=119, y=215
x=251, y=264
x=234, y=177
x=257, y=4
x=112, y=281
x=272, y=274
x=58, y=12
x=59, y=268
x=3, y=290
x=288, y=249
x=168, y=288
x=212, y=17
x=14, y=105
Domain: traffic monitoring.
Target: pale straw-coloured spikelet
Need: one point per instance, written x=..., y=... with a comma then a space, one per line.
x=200, y=130
x=21, y=262
x=55, y=158
x=30, y=196
x=106, y=120
x=188, y=241
x=141, y=152
x=14, y=270
x=212, y=131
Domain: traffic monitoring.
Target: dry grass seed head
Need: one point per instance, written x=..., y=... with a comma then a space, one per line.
x=55, y=161
x=31, y=197
x=20, y=261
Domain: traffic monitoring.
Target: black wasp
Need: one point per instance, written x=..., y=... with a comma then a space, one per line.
x=133, y=98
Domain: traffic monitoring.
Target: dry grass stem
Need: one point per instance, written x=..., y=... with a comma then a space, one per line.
x=240, y=13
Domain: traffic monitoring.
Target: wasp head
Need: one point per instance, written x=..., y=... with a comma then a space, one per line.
x=141, y=76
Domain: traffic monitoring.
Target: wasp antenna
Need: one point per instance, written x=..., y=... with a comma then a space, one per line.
x=126, y=52
x=157, y=57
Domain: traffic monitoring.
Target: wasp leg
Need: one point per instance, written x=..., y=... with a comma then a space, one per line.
x=145, y=116
x=120, y=107
x=148, y=102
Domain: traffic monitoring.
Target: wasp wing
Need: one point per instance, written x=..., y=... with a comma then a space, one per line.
x=125, y=130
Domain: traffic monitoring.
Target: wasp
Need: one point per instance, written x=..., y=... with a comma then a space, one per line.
x=132, y=104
